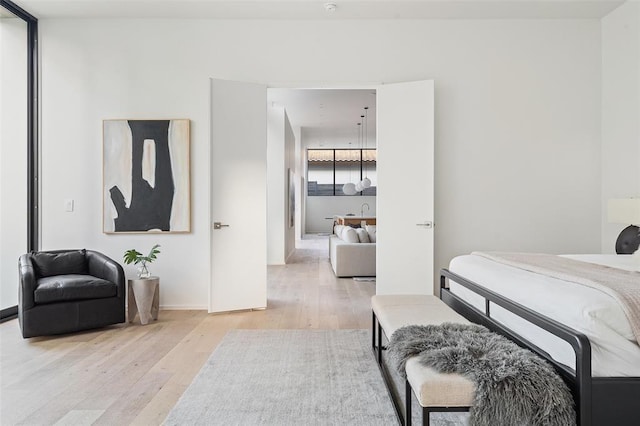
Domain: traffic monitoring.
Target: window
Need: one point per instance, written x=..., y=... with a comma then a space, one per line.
x=347, y=164
x=18, y=146
x=329, y=169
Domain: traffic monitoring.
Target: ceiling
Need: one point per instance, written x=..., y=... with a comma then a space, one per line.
x=326, y=111
x=310, y=9
x=5, y=14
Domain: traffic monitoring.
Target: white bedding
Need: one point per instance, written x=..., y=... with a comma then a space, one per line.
x=614, y=351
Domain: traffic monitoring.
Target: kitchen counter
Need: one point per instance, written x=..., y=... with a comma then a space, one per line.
x=354, y=220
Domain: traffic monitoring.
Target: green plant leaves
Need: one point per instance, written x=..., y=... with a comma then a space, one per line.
x=152, y=254
x=132, y=256
x=135, y=257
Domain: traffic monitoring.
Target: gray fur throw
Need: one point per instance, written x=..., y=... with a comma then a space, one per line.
x=513, y=385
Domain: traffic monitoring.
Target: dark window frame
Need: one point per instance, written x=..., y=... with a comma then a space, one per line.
x=33, y=154
x=361, y=193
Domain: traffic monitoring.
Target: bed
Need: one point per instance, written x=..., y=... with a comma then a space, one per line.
x=582, y=331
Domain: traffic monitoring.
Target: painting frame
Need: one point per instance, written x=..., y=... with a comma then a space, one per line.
x=146, y=176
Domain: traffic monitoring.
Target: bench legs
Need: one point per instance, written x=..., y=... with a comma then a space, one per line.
x=407, y=403
x=428, y=410
x=373, y=329
x=376, y=330
x=376, y=344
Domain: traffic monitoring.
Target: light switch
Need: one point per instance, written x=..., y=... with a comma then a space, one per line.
x=68, y=205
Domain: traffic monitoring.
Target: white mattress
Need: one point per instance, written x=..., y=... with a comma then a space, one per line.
x=614, y=351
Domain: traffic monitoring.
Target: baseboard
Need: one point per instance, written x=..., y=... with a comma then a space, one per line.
x=238, y=310
x=365, y=279
x=180, y=307
x=183, y=308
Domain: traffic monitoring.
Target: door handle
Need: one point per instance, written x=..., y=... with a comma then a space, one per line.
x=426, y=224
x=219, y=225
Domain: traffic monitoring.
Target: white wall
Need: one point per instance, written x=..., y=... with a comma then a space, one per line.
x=299, y=159
x=276, y=186
x=290, y=164
x=517, y=120
x=321, y=208
x=280, y=158
x=13, y=155
x=620, y=112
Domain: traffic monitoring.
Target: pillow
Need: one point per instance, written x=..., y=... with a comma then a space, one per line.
x=338, y=230
x=349, y=235
x=371, y=230
x=363, y=236
x=354, y=225
x=47, y=264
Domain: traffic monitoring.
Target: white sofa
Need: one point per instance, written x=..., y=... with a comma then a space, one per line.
x=349, y=256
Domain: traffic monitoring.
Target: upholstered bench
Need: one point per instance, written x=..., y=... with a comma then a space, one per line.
x=434, y=391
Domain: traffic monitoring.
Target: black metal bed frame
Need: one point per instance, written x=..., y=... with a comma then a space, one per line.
x=600, y=401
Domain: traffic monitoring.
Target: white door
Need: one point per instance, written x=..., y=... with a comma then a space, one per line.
x=238, y=196
x=405, y=138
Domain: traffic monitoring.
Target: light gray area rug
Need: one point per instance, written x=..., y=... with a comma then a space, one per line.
x=288, y=377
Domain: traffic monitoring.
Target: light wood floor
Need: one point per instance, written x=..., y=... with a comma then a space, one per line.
x=133, y=374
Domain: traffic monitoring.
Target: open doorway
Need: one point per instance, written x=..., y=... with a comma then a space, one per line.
x=334, y=144
x=238, y=208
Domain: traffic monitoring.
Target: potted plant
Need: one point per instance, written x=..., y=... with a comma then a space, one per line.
x=135, y=257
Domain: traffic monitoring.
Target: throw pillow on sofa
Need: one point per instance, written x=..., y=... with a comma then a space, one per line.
x=338, y=230
x=371, y=230
x=363, y=236
x=349, y=235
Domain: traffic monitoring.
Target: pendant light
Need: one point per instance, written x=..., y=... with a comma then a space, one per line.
x=351, y=188
x=366, y=182
x=359, y=186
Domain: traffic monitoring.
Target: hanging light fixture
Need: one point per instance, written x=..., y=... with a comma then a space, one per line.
x=366, y=182
x=359, y=186
x=351, y=188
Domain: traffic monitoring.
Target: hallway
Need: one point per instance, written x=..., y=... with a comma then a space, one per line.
x=306, y=294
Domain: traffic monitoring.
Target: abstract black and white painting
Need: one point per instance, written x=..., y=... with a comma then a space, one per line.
x=146, y=176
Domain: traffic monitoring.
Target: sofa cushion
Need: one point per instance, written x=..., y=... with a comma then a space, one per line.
x=363, y=236
x=349, y=235
x=47, y=264
x=338, y=230
x=62, y=288
x=371, y=230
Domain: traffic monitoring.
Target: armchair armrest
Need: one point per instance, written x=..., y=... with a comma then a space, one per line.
x=28, y=282
x=106, y=268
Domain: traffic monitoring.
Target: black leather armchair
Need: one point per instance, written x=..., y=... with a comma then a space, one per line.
x=63, y=291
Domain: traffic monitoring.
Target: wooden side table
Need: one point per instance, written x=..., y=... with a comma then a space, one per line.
x=144, y=298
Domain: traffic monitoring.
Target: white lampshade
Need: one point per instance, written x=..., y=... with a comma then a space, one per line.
x=349, y=189
x=366, y=182
x=359, y=187
x=625, y=211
